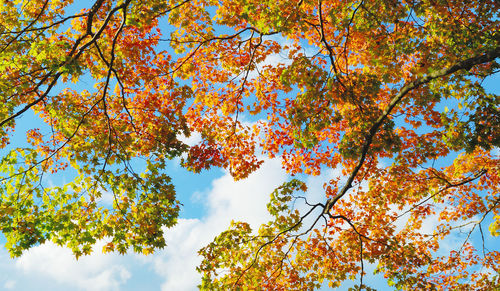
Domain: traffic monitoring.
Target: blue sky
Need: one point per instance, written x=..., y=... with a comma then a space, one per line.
x=211, y=200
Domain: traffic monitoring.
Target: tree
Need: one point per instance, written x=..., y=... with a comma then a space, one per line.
x=390, y=92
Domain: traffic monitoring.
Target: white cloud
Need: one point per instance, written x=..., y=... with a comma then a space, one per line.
x=9, y=284
x=107, y=198
x=193, y=139
x=95, y=272
x=177, y=263
x=226, y=200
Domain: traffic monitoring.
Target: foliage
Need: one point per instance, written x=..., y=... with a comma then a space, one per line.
x=390, y=92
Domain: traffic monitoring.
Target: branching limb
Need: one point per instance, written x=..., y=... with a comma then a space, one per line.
x=463, y=65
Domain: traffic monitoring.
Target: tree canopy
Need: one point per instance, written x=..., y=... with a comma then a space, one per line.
x=390, y=92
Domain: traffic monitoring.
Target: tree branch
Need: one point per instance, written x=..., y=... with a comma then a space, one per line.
x=463, y=65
